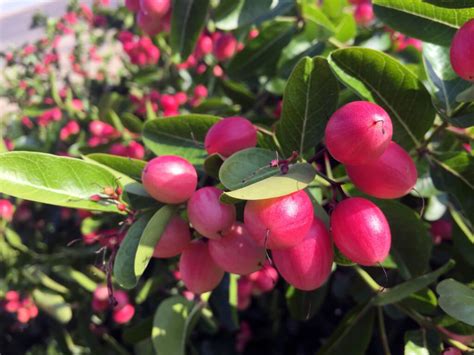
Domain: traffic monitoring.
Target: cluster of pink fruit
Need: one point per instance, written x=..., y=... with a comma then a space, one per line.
x=23, y=307
x=153, y=16
x=122, y=312
x=141, y=51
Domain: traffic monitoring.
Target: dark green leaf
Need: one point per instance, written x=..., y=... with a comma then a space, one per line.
x=457, y=300
x=187, y=21
x=379, y=78
x=452, y=4
x=127, y=166
x=179, y=135
x=304, y=305
x=422, y=342
x=238, y=93
x=310, y=98
x=212, y=164
x=401, y=291
x=54, y=180
x=424, y=301
x=422, y=19
x=132, y=122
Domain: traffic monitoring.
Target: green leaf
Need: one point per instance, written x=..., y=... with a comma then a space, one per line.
x=402, y=291
x=346, y=30
x=238, y=93
x=310, y=97
x=127, y=166
x=54, y=305
x=299, y=176
x=420, y=19
x=261, y=54
x=233, y=14
x=212, y=164
x=171, y=325
x=124, y=265
x=54, y=180
x=422, y=342
x=132, y=122
x=179, y=135
x=457, y=300
x=246, y=167
x=305, y=305
x=353, y=334
x=443, y=81
x=187, y=21
x=454, y=173
x=452, y=4
x=379, y=78
x=424, y=301
x=463, y=237
x=151, y=236
x=67, y=272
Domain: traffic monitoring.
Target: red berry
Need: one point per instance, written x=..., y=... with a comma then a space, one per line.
x=133, y=5
x=148, y=23
x=358, y=132
x=307, y=265
x=169, y=179
x=198, y=271
x=230, y=135
x=360, y=231
x=156, y=8
x=280, y=222
x=175, y=238
x=124, y=314
x=208, y=215
x=462, y=51
x=225, y=46
x=6, y=210
x=364, y=13
x=237, y=252
x=392, y=175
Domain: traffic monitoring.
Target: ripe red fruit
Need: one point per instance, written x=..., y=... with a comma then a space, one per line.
x=198, y=271
x=364, y=13
x=123, y=314
x=169, y=179
x=307, y=265
x=225, y=46
x=391, y=176
x=358, y=132
x=280, y=222
x=360, y=231
x=208, y=215
x=230, y=135
x=462, y=51
x=237, y=252
x=148, y=23
x=133, y=5
x=155, y=8
x=175, y=238
x=6, y=210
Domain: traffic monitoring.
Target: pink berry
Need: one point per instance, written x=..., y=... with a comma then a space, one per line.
x=265, y=279
x=148, y=23
x=208, y=215
x=358, y=132
x=124, y=314
x=280, y=222
x=100, y=299
x=360, y=231
x=392, y=175
x=156, y=8
x=121, y=297
x=12, y=306
x=169, y=179
x=307, y=265
x=204, y=45
x=225, y=46
x=198, y=271
x=133, y=5
x=237, y=252
x=175, y=238
x=440, y=230
x=6, y=210
x=364, y=14
x=462, y=51
x=230, y=135
x=12, y=295
x=23, y=315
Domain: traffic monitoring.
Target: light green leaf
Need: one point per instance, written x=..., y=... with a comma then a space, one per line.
x=54, y=180
x=310, y=97
x=379, y=78
x=457, y=300
x=54, y=305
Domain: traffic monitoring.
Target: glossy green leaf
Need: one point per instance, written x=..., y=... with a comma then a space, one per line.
x=233, y=14
x=261, y=54
x=124, y=265
x=379, y=78
x=53, y=304
x=151, y=236
x=212, y=165
x=457, y=300
x=131, y=122
x=346, y=29
x=187, y=21
x=310, y=98
x=127, y=166
x=179, y=135
x=422, y=342
x=403, y=290
x=298, y=177
x=422, y=19
x=443, y=81
x=452, y=4
x=247, y=167
x=54, y=180
x=170, y=325
x=454, y=173
x=353, y=334
x=304, y=305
